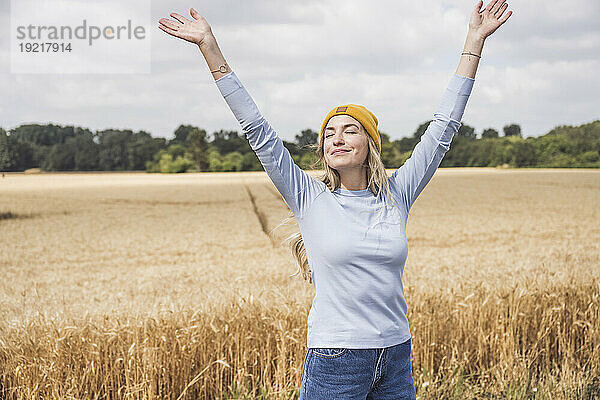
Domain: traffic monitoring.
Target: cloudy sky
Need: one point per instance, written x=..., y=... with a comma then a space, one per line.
x=299, y=59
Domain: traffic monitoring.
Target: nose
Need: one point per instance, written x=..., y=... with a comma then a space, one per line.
x=338, y=139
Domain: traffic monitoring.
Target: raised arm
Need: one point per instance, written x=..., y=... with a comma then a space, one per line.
x=297, y=188
x=481, y=25
x=411, y=178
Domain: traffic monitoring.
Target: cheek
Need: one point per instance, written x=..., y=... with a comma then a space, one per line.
x=362, y=147
x=365, y=149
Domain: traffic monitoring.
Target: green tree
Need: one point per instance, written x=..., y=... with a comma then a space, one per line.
x=502, y=152
x=524, y=153
x=563, y=161
x=389, y=155
x=215, y=160
x=512, y=130
x=489, y=133
x=176, y=150
x=4, y=154
x=20, y=154
x=233, y=161
x=182, y=135
x=60, y=158
x=308, y=160
x=306, y=138
x=44, y=135
x=589, y=157
x=388, y=150
x=35, y=142
x=293, y=148
x=404, y=157
x=113, y=150
x=467, y=132
x=484, y=152
x=405, y=144
x=551, y=146
x=229, y=141
x=251, y=162
x=199, y=149
x=141, y=147
x=85, y=151
x=164, y=161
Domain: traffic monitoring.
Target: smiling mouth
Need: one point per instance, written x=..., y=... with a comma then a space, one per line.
x=336, y=152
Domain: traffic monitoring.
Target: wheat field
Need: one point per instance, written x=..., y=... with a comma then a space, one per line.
x=148, y=286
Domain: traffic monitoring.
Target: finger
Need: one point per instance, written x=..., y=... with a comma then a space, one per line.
x=194, y=13
x=490, y=5
x=478, y=6
x=499, y=13
x=497, y=6
x=170, y=31
x=168, y=23
x=180, y=18
x=503, y=19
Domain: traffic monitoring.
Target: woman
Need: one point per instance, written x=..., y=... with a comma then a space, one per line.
x=358, y=335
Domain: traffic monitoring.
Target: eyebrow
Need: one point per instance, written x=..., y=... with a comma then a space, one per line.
x=344, y=126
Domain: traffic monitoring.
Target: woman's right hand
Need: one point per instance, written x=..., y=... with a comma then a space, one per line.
x=195, y=31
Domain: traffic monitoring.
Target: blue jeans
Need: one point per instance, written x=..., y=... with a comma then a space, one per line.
x=352, y=374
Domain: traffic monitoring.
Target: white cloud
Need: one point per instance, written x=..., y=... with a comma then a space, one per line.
x=538, y=95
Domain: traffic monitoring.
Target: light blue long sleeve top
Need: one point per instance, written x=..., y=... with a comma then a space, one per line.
x=355, y=244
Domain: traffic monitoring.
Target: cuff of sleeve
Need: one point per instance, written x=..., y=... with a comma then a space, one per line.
x=228, y=84
x=454, y=99
x=461, y=84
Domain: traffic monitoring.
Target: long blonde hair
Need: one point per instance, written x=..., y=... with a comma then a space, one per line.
x=377, y=182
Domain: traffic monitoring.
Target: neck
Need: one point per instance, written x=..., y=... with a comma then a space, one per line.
x=354, y=178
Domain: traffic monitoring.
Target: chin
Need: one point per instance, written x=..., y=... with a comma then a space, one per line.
x=338, y=165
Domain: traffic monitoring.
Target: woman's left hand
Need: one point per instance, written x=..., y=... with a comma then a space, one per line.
x=484, y=23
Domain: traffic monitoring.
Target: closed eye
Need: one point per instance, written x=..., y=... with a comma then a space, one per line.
x=329, y=135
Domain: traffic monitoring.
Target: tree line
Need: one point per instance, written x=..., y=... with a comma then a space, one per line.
x=68, y=148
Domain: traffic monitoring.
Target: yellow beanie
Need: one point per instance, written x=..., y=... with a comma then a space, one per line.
x=362, y=115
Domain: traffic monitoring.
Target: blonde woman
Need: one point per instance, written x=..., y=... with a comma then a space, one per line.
x=352, y=242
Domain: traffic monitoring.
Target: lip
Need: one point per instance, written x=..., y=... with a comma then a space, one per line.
x=339, y=151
